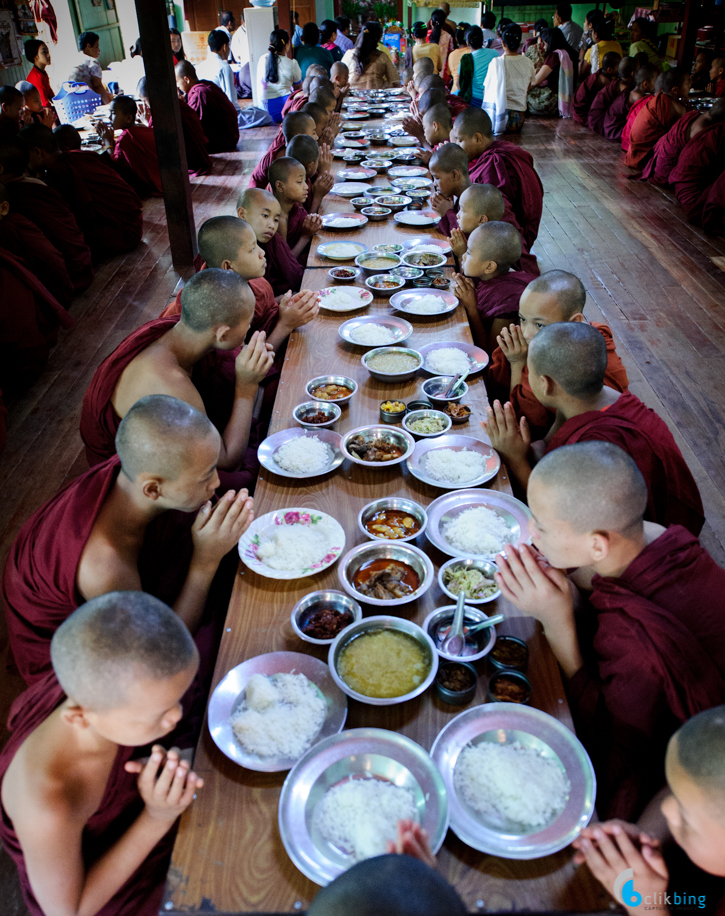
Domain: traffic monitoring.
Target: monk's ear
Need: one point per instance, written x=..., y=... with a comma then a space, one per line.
x=490, y=267
x=221, y=332
x=599, y=546
x=549, y=385
x=75, y=715
x=226, y=264
x=242, y=213
x=482, y=219
x=578, y=317
x=151, y=487
x=4, y=209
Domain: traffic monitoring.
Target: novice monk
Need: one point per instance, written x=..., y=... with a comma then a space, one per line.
x=449, y=170
x=656, y=117
x=493, y=303
x=668, y=148
x=653, y=652
x=134, y=152
x=68, y=138
x=195, y=144
x=217, y=114
x=437, y=126
x=340, y=76
x=262, y=211
x=307, y=152
x=34, y=111
x=628, y=103
x=606, y=96
x=326, y=124
x=288, y=181
x=501, y=163
x=567, y=364
x=555, y=296
x=11, y=110
x=593, y=84
x=699, y=176
x=294, y=124
x=87, y=822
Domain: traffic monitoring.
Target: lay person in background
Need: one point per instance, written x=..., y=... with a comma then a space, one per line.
x=516, y=72
x=195, y=143
x=328, y=39
x=177, y=46
x=294, y=124
x=134, y=150
x=277, y=75
x=593, y=84
x=552, y=88
x=309, y=52
x=453, y=62
x=623, y=82
x=88, y=70
x=473, y=68
x=319, y=178
x=288, y=181
x=602, y=43
x=33, y=110
x=643, y=35
x=488, y=26
x=668, y=148
x=217, y=114
x=370, y=67
x=421, y=47
x=562, y=20
x=616, y=119
x=656, y=117
x=647, y=650
x=699, y=177
x=37, y=53
x=216, y=67
x=342, y=39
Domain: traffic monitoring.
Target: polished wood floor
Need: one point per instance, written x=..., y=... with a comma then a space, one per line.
x=656, y=280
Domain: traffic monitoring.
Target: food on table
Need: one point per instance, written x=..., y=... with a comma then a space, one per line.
x=384, y=283
x=440, y=283
x=338, y=299
x=375, y=335
x=331, y=392
x=509, y=653
x=386, y=579
x=417, y=219
x=391, y=248
x=281, y=715
x=447, y=361
x=431, y=249
x=478, y=530
x=344, y=273
x=424, y=258
x=392, y=524
x=392, y=406
x=426, y=305
x=427, y=425
x=295, y=547
x=303, y=455
x=456, y=678
x=343, y=250
x=378, y=263
x=326, y=623
x=508, y=689
x=388, y=200
x=315, y=417
x=470, y=581
x=457, y=411
x=453, y=466
x=392, y=362
x=359, y=816
x=373, y=449
x=383, y=663
x=511, y=781
x=343, y=222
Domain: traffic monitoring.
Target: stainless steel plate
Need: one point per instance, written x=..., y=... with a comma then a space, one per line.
x=417, y=217
x=268, y=449
x=477, y=358
x=328, y=249
x=229, y=694
x=356, y=174
x=416, y=462
x=401, y=301
x=446, y=508
x=400, y=327
x=504, y=723
x=344, y=222
x=412, y=184
x=360, y=753
x=426, y=241
x=349, y=188
x=408, y=171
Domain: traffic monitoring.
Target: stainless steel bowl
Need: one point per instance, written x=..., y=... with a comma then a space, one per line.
x=376, y=214
x=443, y=618
x=391, y=376
x=385, y=550
x=330, y=408
x=407, y=273
x=330, y=598
x=434, y=387
x=371, y=625
x=332, y=380
x=397, y=437
x=410, y=258
x=393, y=503
x=396, y=202
x=421, y=415
x=488, y=569
x=360, y=202
x=371, y=284
x=388, y=248
x=392, y=259
x=380, y=165
x=335, y=273
x=377, y=190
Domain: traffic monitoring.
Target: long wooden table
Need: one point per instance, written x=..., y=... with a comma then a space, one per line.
x=229, y=856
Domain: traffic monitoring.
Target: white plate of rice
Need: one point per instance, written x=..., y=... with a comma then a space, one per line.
x=453, y=462
x=291, y=543
x=520, y=784
x=344, y=298
x=449, y=357
x=424, y=302
x=299, y=704
x=375, y=331
x=301, y=453
x=455, y=522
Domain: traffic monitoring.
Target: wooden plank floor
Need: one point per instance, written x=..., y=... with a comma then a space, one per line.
x=656, y=280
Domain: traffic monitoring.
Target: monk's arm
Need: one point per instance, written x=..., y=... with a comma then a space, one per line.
x=294, y=312
x=497, y=326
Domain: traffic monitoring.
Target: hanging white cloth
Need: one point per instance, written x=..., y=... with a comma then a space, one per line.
x=494, y=95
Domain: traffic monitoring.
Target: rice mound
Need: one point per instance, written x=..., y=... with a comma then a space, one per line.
x=478, y=530
x=295, y=547
x=453, y=466
x=303, y=455
x=447, y=361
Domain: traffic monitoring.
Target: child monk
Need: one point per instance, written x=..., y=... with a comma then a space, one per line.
x=327, y=123
x=699, y=176
x=656, y=117
x=107, y=210
x=501, y=163
x=340, y=76
x=449, y=170
x=492, y=303
x=195, y=144
x=318, y=177
x=37, y=53
x=593, y=84
x=11, y=110
x=616, y=120
x=553, y=297
x=134, y=151
x=288, y=181
x=68, y=138
x=44, y=207
x=656, y=610
x=86, y=819
x=437, y=125
x=261, y=210
x=297, y=99
x=34, y=112
x=567, y=364
x=623, y=82
x=717, y=77
x=217, y=114
x=293, y=125
x=668, y=148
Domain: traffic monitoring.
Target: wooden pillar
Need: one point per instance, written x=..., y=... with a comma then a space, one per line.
x=283, y=11
x=690, y=25
x=164, y=103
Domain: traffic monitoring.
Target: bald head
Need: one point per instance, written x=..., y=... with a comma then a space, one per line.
x=142, y=89
x=431, y=81
x=449, y=158
x=157, y=433
x=472, y=121
x=112, y=641
x=38, y=136
x=439, y=114
x=67, y=137
x=646, y=74
x=318, y=113
x=255, y=199
x=483, y=200
x=216, y=298
x=304, y=149
x=281, y=169
x=573, y=354
x=627, y=68
x=297, y=122
x=701, y=752
x=564, y=289
x=185, y=69
x=593, y=486
x=317, y=70
x=126, y=105
x=716, y=115
x=220, y=239
x=423, y=65
x=430, y=98
x=339, y=70
x=611, y=61
x=496, y=241
x=323, y=96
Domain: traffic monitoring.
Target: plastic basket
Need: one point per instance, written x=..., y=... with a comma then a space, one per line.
x=75, y=100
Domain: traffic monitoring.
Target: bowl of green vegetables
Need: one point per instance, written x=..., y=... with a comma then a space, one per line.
x=474, y=577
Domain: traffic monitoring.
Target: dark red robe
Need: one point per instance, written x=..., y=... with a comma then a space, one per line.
x=713, y=210
x=259, y=175
x=456, y=104
x=107, y=209
x=197, y=155
x=142, y=894
x=615, y=117
x=3, y=423
x=652, y=122
x=295, y=221
x=523, y=399
x=217, y=115
x=585, y=95
x=600, y=105
x=511, y=169
x=697, y=178
x=668, y=148
x=634, y=110
x=294, y=102
x=44, y=207
x=654, y=658
x=137, y=161
x=499, y=297
x=284, y=272
x=672, y=494
x=22, y=238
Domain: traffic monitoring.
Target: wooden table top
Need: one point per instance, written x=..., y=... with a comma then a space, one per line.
x=228, y=855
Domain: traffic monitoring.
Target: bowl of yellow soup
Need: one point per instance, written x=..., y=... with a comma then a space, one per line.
x=383, y=661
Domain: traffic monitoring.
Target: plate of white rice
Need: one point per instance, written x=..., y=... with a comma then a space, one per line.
x=341, y=802
x=416, y=217
x=476, y=523
x=454, y=462
x=344, y=299
x=424, y=301
x=291, y=543
x=267, y=712
x=375, y=331
x=449, y=357
x=301, y=453
x=520, y=783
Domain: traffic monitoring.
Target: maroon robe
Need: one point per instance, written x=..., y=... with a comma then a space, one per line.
x=44, y=207
x=142, y=894
x=668, y=148
x=584, y=97
x=137, y=161
x=3, y=423
x=697, y=178
x=499, y=297
x=657, y=653
x=651, y=122
x=511, y=170
x=217, y=115
x=284, y=272
x=295, y=220
x=259, y=175
x=713, y=210
x=294, y=102
x=672, y=494
x=197, y=155
x=634, y=110
x=456, y=104
x=107, y=209
x=22, y=238
x=615, y=117
x=600, y=105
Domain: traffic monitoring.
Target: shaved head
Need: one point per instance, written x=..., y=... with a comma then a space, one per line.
x=318, y=113
x=304, y=149
x=220, y=239
x=565, y=288
x=716, y=115
x=430, y=98
x=67, y=137
x=423, y=65
x=441, y=115
x=431, y=81
x=473, y=121
x=645, y=74
x=572, y=354
x=126, y=104
x=611, y=60
x=14, y=158
x=701, y=752
x=214, y=298
x=483, y=200
x=297, y=122
x=281, y=169
x=593, y=486
x=141, y=89
x=10, y=95
x=114, y=640
x=627, y=68
x=317, y=70
x=185, y=68
x=321, y=95
x=25, y=87
x=449, y=158
x=253, y=198
x=157, y=433
x=496, y=241
x=339, y=69
x=38, y=136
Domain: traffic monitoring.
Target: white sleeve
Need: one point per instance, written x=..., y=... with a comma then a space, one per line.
x=228, y=84
x=296, y=72
x=261, y=81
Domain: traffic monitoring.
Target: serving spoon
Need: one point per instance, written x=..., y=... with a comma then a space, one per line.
x=453, y=643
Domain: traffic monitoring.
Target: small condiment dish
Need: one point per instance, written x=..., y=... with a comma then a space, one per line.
x=521, y=684
x=448, y=694
x=433, y=389
x=310, y=604
x=509, y=645
x=483, y=566
x=423, y=414
x=393, y=503
x=330, y=408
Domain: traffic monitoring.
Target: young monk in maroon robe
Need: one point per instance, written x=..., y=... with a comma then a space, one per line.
x=34, y=112
x=553, y=297
x=11, y=109
x=668, y=148
x=288, y=182
x=593, y=84
x=617, y=124
x=317, y=162
x=624, y=82
x=134, y=150
x=501, y=163
x=217, y=114
x=87, y=821
x=648, y=651
x=656, y=117
x=697, y=178
x=295, y=124
x=492, y=302
x=262, y=211
x=195, y=144
x=567, y=363
x=68, y=138
x=107, y=209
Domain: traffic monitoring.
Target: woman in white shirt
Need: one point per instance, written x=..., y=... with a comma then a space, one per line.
x=277, y=75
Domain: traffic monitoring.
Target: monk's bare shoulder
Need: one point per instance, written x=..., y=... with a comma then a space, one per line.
x=154, y=371
x=106, y=566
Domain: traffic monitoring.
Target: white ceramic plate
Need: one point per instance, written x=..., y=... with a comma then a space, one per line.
x=345, y=298
x=268, y=450
x=402, y=141
x=417, y=218
x=350, y=189
x=349, y=221
x=411, y=184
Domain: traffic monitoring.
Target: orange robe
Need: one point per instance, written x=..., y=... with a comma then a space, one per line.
x=652, y=122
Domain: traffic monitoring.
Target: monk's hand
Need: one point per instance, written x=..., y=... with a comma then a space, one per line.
x=541, y=593
x=414, y=126
x=106, y=134
x=414, y=110
x=609, y=849
x=311, y=225
x=424, y=155
x=514, y=345
x=253, y=363
x=465, y=291
x=298, y=309
x=511, y=438
x=441, y=204
x=325, y=161
x=458, y=242
x=324, y=184
x=217, y=529
x=47, y=117
x=410, y=89
x=167, y=785
x=636, y=835
x=412, y=840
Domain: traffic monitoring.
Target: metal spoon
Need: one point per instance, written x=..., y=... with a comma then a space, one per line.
x=489, y=622
x=453, y=644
